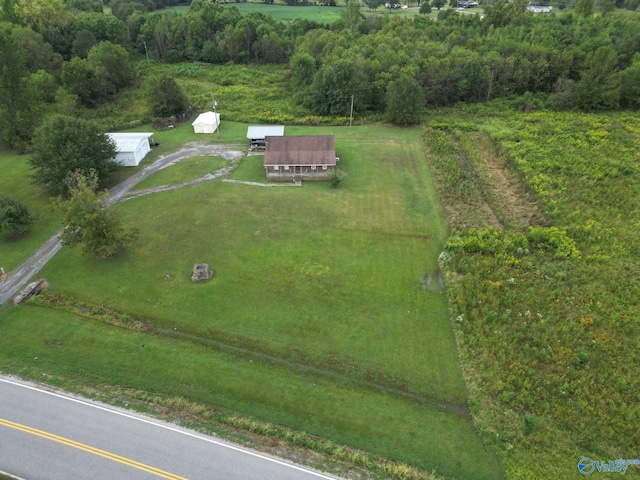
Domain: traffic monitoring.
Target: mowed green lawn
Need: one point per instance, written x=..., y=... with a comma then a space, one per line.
x=184, y=171
x=16, y=184
x=315, y=277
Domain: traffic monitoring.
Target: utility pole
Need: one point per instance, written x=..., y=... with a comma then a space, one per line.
x=490, y=84
x=351, y=115
x=145, y=50
x=215, y=113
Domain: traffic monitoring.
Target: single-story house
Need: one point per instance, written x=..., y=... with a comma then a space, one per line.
x=257, y=134
x=206, y=122
x=299, y=157
x=131, y=147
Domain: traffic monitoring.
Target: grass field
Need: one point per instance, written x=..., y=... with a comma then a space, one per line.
x=327, y=15
x=285, y=13
x=15, y=183
x=320, y=316
x=184, y=171
x=279, y=12
x=546, y=318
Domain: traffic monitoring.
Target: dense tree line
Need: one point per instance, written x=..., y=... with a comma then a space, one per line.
x=70, y=52
x=559, y=62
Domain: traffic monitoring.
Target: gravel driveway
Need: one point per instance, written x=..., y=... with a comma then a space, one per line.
x=20, y=276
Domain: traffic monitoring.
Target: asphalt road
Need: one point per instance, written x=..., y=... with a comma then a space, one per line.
x=49, y=435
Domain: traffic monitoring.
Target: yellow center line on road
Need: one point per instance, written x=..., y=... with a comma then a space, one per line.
x=90, y=449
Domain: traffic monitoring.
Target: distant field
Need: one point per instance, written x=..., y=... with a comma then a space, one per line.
x=281, y=13
x=320, y=14
x=285, y=13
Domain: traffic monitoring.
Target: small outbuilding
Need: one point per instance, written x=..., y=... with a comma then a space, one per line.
x=258, y=133
x=131, y=147
x=299, y=157
x=206, y=122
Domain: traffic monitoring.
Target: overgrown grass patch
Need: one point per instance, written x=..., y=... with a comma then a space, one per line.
x=247, y=93
x=548, y=328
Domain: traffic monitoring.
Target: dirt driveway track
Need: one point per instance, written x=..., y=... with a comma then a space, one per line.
x=20, y=276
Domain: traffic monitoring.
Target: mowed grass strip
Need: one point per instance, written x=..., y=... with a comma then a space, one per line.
x=184, y=171
x=329, y=277
x=61, y=344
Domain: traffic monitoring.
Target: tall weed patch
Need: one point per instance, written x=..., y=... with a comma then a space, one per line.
x=546, y=317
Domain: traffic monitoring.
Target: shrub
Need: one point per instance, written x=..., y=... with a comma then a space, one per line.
x=335, y=177
x=15, y=218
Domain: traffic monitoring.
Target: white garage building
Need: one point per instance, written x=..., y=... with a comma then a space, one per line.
x=206, y=122
x=258, y=133
x=131, y=147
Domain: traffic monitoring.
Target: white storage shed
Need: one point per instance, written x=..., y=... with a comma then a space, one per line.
x=131, y=147
x=206, y=122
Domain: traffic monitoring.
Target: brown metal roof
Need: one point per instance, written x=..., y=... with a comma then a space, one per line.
x=300, y=150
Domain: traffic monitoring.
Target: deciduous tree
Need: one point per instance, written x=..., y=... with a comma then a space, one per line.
x=630, y=84
x=584, y=8
x=425, y=7
x=112, y=64
x=66, y=144
x=89, y=222
x=81, y=79
x=405, y=101
x=165, y=96
x=41, y=14
x=333, y=86
x=18, y=106
x=599, y=86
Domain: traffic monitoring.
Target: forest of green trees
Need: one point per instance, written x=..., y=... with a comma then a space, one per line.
x=59, y=54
